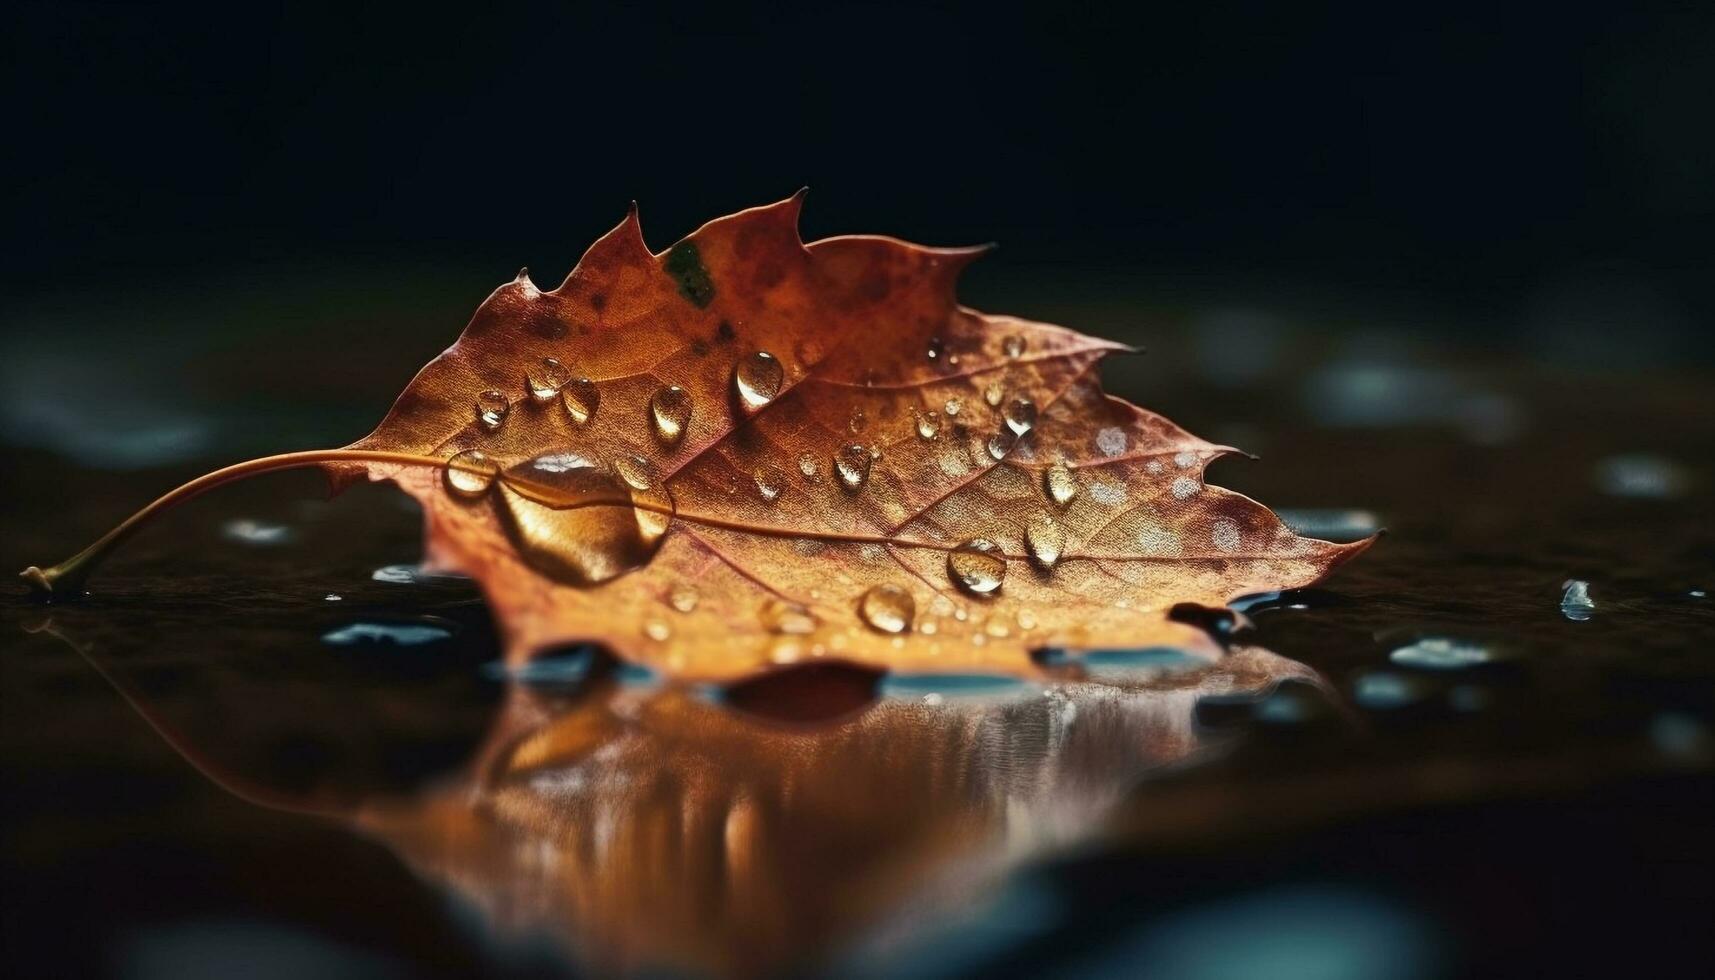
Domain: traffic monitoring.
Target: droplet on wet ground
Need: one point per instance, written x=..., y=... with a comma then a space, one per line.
x=757, y=380
x=888, y=608
x=807, y=465
x=256, y=532
x=1643, y=476
x=993, y=392
x=977, y=566
x=1001, y=443
x=580, y=521
x=1386, y=690
x=546, y=379
x=1575, y=601
x=670, y=410
x=492, y=407
x=1331, y=524
x=392, y=634
x=1441, y=653
x=469, y=474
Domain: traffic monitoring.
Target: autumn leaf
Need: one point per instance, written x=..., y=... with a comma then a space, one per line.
x=747, y=451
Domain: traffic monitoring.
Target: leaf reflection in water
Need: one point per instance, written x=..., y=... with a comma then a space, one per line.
x=653, y=828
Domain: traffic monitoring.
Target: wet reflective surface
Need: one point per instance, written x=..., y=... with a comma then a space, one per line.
x=1427, y=768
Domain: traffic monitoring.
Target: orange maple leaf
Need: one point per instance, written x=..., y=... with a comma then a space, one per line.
x=747, y=451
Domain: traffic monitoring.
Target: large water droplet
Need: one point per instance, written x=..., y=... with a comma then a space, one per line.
x=888, y=608
x=670, y=407
x=580, y=397
x=789, y=618
x=580, y=521
x=1001, y=443
x=770, y=482
x=491, y=409
x=757, y=380
x=1045, y=539
x=977, y=566
x=546, y=379
x=1059, y=483
x=469, y=474
x=1021, y=415
x=1013, y=346
x=928, y=425
x=852, y=464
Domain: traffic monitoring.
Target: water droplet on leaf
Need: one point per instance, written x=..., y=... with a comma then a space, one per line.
x=928, y=425
x=977, y=566
x=670, y=408
x=789, y=618
x=491, y=409
x=1045, y=539
x=683, y=598
x=1059, y=483
x=469, y=474
x=852, y=464
x=1021, y=415
x=954, y=406
x=1013, y=346
x=580, y=397
x=757, y=380
x=546, y=379
x=888, y=608
x=769, y=482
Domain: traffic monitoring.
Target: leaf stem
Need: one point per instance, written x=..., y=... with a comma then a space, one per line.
x=67, y=577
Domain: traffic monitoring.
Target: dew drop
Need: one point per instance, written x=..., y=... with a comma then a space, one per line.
x=1045, y=539
x=807, y=465
x=1060, y=484
x=857, y=421
x=491, y=409
x=670, y=407
x=977, y=566
x=769, y=482
x=580, y=398
x=954, y=405
x=852, y=464
x=936, y=347
x=928, y=425
x=1013, y=346
x=1575, y=602
x=788, y=618
x=546, y=379
x=888, y=608
x=635, y=471
x=757, y=380
x=993, y=393
x=683, y=598
x=1001, y=443
x=469, y=474
x=657, y=630
x=1021, y=415
x=581, y=521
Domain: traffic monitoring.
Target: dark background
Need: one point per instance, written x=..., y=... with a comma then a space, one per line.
x=1504, y=169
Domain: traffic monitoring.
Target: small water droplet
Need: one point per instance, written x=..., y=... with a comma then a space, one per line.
x=757, y=379
x=657, y=630
x=1060, y=484
x=388, y=634
x=580, y=398
x=546, y=379
x=857, y=421
x=1026, y=619
x=936, y=347
x=928, y=425
x=1440, y=653
x=954, y=406
x=789, y=618
x=888, y=608
x=635, y=471
x=1575, y=603
x=491, y=409
x=469, y=474
x=670, y=408
x=807, y=465
x=1021, y=415
x=1001, y=443
x=1013, y=346
x=769, y=482
x=852, y=464
x=333, y=597
x=977, y=566
x=1045, y=539
x=993, y=393
x=683, y=598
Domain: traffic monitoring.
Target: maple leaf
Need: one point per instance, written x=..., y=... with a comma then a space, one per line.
x=747, y=451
